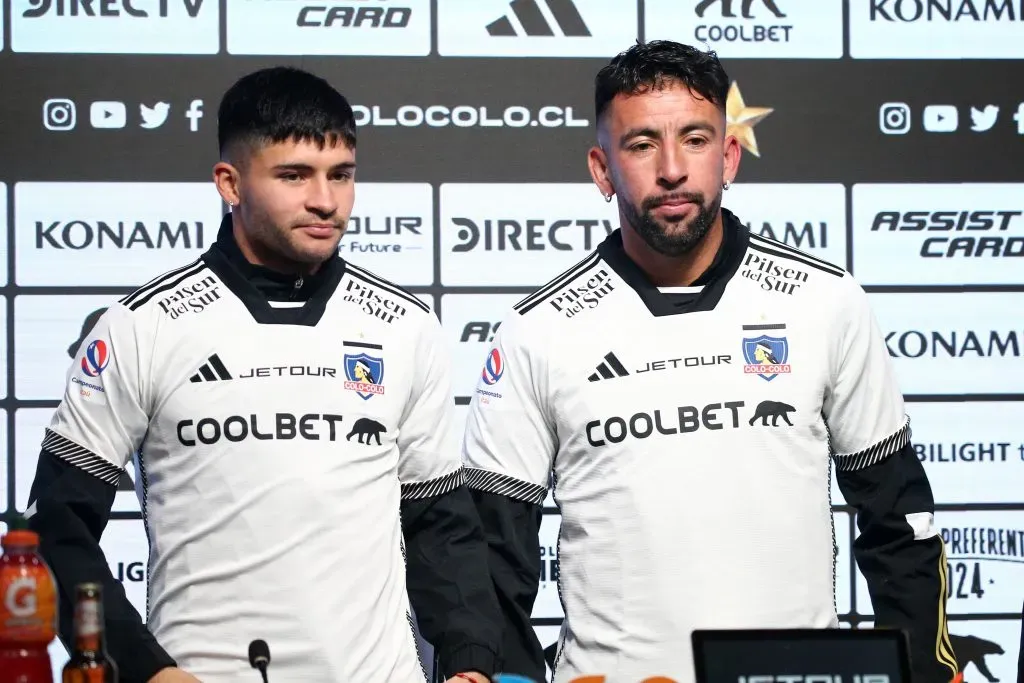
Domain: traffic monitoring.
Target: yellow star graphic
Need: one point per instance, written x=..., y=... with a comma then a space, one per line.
x=741, y=119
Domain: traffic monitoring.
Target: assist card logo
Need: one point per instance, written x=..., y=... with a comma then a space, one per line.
x=766, y=356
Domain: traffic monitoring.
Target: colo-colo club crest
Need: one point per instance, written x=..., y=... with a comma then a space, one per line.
x=365, y=374
x=767, y=357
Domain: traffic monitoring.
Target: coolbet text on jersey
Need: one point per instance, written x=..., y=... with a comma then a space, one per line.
x=687, y=436
x=275, y=443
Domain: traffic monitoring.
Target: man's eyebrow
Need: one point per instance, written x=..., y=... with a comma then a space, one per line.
x=344, y=166
x=651, y=133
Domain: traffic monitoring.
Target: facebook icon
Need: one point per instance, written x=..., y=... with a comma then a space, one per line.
x=193, y=114
x=1019, y=118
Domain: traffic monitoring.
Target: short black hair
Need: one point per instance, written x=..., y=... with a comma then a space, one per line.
x=653, y=65
x=283, y=103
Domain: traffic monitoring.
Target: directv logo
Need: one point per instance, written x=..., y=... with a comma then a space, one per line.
x=533, y=21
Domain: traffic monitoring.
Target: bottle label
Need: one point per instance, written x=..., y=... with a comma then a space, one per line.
x=28, y=604
x=87, y=619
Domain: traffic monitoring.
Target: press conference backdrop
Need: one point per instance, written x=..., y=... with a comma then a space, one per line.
x=882, y=135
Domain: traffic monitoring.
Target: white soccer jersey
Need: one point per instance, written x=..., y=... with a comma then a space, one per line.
x=275, y=446
x=687, y=436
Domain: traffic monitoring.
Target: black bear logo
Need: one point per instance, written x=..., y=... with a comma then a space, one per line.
x=973, y=650
x=774, y=410
x=365, y=427
x=87, y=325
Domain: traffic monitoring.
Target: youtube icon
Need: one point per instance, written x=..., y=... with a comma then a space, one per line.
x=940, y=118
x=108, y=115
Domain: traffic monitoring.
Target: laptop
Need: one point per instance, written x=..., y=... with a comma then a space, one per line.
x=801, y=656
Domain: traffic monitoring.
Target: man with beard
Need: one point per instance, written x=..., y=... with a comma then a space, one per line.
x=290, y=417
x=637, y=388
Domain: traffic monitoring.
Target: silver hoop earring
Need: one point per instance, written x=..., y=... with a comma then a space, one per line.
x=725, y=185
x=608, y=197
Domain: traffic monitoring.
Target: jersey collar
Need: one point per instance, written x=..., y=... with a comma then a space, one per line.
x=712, y=281
x=256, y=286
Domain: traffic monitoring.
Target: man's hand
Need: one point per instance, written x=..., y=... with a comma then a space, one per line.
x=170, y=675
x=470, y=675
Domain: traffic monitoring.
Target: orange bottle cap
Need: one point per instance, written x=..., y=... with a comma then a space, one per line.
x=20, y=537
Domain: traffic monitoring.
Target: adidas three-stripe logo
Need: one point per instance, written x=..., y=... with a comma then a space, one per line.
x=211, y=371
x=610, y=369
x=534, y=23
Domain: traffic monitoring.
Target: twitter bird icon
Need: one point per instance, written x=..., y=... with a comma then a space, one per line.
x=984, y=119
x=154, y=117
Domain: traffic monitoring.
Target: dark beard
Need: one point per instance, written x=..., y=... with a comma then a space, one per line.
x=672, y=243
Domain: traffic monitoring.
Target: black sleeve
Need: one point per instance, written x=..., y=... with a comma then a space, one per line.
x=512, y=531
x=71, y=509
x=446, y=568
x=906, y=576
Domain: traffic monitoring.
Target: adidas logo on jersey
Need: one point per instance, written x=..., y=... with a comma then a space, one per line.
x=211, y=371
x=610, y=369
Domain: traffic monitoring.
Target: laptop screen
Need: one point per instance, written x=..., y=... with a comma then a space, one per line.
x=801, y=656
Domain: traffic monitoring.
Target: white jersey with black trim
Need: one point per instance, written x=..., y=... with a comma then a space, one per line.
x=688, y=437
x=275, y=445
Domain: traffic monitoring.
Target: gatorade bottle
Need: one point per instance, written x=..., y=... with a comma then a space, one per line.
x=28, y=608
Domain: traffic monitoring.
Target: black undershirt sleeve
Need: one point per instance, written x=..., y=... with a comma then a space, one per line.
x=906, y=576
x=511, y=529
x=69, y=509
x=447, y=579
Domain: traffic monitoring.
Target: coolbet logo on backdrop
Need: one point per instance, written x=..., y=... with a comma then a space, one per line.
x=470, y=323
x=116, y=26
x=940, y=234
x=751, y=29
x=391, y=233
x=741, y=119
x=338, y=27
x=809, y=217
x=535, y=28
x=519, y=235
x=110, y=234
x=936, y=29
x=953, y=343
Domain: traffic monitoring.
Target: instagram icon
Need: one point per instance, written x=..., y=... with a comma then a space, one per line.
x=894, y=118
x=59, y=114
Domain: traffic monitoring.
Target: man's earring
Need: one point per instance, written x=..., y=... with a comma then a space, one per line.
x=608, y=197
x=725, y=185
